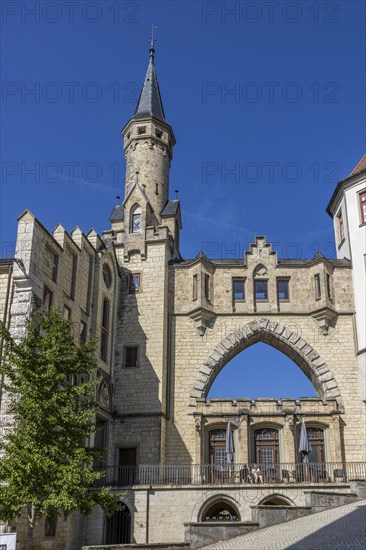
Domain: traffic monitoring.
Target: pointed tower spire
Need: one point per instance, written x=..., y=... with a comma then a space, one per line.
x=150, y=103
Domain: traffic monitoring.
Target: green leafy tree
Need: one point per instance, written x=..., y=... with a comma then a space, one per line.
x=47, y=467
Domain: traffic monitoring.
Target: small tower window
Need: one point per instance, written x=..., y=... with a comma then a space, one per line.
x=207, y=287
x=318, y=290
x=141, y=130
x=363, y=206
x=195, y=286
x=329, y=287
x=136, y=219
x=340, y=226
x=158, y=133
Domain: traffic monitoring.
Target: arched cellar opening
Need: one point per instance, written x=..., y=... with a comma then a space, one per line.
x=275, y=500
x=261, y=371
x=118, y=527
x=220, y=510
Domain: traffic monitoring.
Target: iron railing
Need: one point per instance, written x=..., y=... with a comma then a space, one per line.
x=208, y=474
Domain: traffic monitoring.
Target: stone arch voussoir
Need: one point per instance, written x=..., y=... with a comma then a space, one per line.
x=279, y=336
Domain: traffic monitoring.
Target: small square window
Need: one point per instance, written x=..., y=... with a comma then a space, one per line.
x=131, y=356
x=261, y=290
x=238, y=290
x=283, y=290
x=158, y=133
x=141, y=130
x=134, y=283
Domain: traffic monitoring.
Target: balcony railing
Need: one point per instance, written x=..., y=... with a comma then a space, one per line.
x=211, y=474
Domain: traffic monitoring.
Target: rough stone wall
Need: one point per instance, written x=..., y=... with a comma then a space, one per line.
x=68, y=536
x=164, y=510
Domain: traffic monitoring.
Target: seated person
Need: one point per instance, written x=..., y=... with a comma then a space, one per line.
x=245, y=474
x=256, y=474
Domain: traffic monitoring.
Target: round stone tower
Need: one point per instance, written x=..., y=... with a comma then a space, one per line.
x=148, y=142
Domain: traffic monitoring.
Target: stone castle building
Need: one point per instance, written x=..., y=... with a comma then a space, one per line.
x=167, y=326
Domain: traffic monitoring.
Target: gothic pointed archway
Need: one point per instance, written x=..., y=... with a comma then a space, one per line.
x=278, y=336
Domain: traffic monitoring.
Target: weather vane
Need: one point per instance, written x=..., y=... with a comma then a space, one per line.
x=152, y=40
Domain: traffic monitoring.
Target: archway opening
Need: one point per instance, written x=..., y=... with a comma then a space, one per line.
x=118, y=527
x=261, y=371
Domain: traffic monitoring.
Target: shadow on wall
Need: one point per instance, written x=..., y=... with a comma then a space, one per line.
x=347, y=532
x=176, y=443
x=140, y=394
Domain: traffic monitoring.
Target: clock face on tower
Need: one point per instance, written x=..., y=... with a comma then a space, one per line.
x=107, y=275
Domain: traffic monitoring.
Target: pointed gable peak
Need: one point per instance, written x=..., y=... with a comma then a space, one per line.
x=149, y=103
x=359, y=167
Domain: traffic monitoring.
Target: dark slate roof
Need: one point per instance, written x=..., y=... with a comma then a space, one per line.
x=170, y=209
x=149, y=103
x=358, y=169
x=118, y=213
x=235, y=262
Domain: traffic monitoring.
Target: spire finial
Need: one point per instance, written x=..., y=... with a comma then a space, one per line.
x=152, y=42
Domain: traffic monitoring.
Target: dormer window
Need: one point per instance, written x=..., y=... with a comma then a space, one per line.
x=135, y=219
x=141, y=130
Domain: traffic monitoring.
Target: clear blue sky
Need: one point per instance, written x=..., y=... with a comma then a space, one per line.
x=293, y=125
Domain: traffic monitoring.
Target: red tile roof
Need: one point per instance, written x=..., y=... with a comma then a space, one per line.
x=359, y=167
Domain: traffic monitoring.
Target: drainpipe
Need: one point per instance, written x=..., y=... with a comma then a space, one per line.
x=147, y=513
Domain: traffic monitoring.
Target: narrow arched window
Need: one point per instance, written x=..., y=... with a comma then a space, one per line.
x=316, y=438
x=135, y=219
x=266, y=446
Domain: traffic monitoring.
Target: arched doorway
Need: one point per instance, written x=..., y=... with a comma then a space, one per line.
x=118, y=527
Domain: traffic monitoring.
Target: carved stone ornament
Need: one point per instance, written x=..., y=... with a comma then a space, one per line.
x=104, y=395
x=260, y=271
